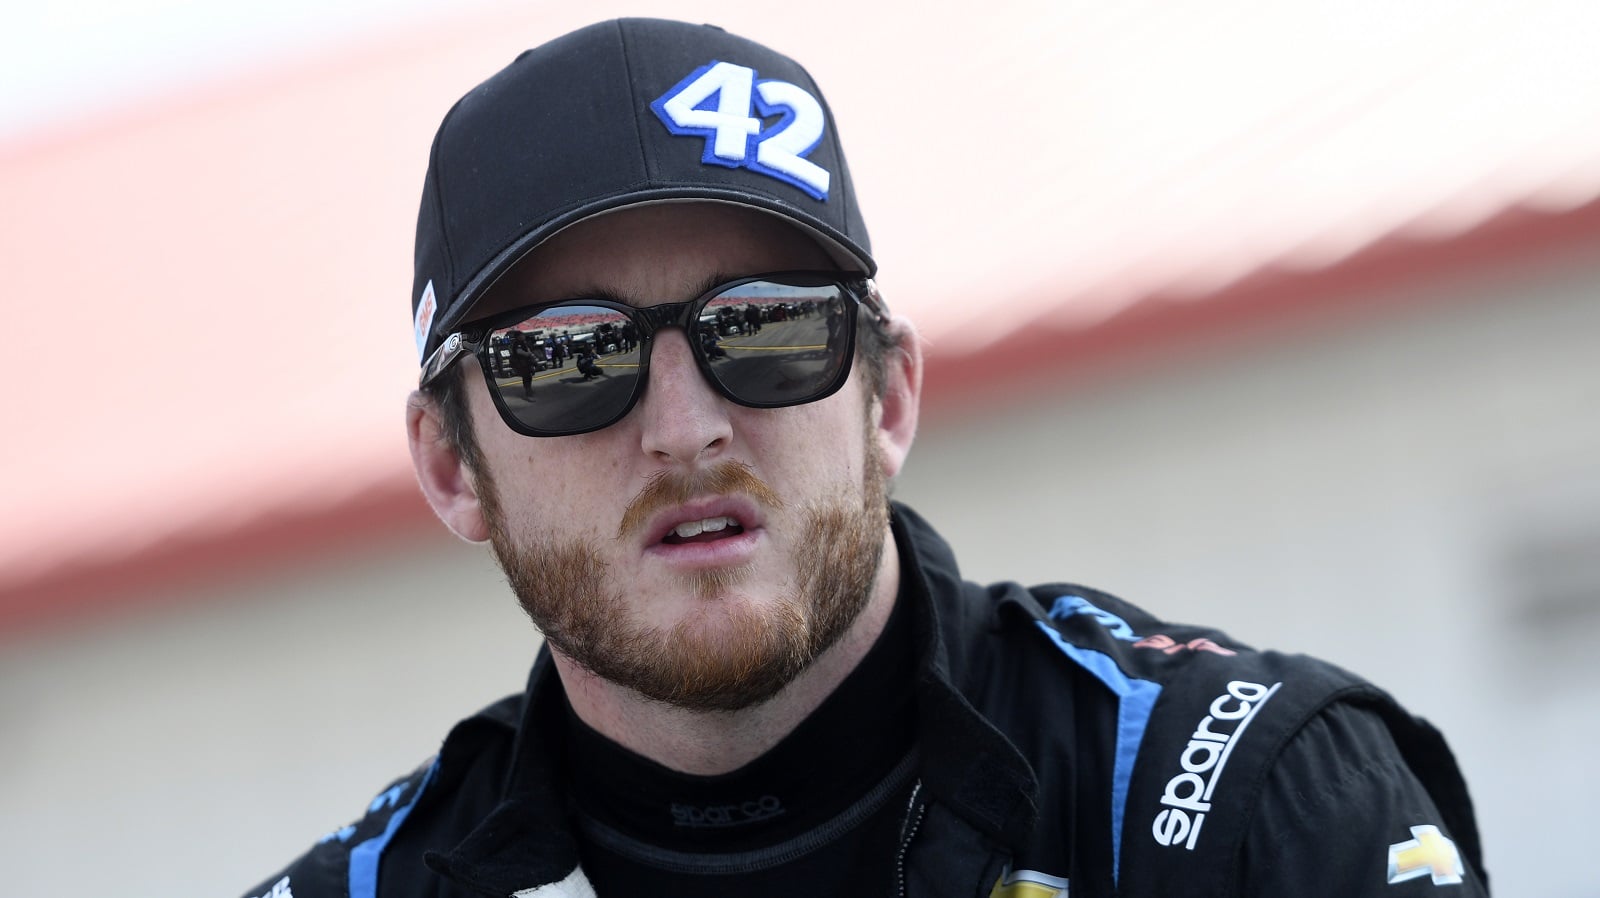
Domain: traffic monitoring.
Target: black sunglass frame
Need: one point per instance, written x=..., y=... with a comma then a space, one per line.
x=649, y=320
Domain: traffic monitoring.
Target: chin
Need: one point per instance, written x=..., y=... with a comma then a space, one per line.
x=727, y=654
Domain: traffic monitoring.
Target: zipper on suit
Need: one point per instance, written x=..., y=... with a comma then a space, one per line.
x=914, y=812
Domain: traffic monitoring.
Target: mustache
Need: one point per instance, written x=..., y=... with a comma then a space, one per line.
x=666, y=489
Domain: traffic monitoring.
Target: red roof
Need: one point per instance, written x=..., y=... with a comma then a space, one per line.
x=227, y=383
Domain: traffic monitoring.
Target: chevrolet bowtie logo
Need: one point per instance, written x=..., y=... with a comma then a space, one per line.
x=1428, y=853
x=1029, y=884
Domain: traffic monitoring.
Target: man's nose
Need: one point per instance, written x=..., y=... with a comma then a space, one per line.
x=683, y=420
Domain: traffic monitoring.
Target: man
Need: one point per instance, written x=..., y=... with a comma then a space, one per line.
x=759, y=675
x=522, y=362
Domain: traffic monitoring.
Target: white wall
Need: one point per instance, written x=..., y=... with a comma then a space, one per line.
x=1354, y=494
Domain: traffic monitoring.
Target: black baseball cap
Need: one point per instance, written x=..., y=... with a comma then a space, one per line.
x=622, y=113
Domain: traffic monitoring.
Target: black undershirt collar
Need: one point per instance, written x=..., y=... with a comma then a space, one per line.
x=839, y=753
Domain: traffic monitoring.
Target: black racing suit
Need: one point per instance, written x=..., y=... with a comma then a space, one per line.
x=1064, y=737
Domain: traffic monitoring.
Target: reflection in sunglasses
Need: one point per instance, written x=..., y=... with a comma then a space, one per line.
x=763, y=342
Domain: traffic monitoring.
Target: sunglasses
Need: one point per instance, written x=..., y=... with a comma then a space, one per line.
x=578, y=365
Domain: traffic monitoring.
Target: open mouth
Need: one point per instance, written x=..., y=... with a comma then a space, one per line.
x=705, y=530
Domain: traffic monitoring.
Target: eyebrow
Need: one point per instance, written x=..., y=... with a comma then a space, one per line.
x=598, y=292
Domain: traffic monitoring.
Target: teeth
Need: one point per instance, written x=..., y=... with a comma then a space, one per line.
x=710, y=525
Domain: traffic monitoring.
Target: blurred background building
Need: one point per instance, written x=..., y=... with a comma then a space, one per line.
x=1277, y=316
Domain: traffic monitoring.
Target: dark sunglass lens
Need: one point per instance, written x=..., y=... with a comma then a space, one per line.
x=568, y=369
x=773, y=344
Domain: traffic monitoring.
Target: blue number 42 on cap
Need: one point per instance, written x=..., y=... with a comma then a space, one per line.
x=715, y=103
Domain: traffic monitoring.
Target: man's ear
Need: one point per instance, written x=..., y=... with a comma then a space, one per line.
x=902, y=395
x=446, y=480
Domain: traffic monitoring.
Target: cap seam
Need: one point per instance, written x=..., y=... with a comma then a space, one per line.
x=847, y=190
x=638, y=133
x=447, y=251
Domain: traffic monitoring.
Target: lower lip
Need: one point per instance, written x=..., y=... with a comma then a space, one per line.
x=727, y=552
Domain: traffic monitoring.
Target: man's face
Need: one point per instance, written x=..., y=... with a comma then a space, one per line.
x=697, y=551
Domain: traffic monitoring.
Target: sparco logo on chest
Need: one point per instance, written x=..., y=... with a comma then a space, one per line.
x=1187, y=797
x=764, y=808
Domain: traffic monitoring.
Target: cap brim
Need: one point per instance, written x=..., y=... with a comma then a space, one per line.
x=844, y=252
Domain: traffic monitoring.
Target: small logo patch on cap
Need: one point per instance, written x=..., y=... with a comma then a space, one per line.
x=422, y=323
x=715, y=103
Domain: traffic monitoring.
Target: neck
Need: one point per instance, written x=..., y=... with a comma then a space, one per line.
x=706, y=743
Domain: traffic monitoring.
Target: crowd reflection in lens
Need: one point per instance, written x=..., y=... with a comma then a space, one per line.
x=764, y=349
